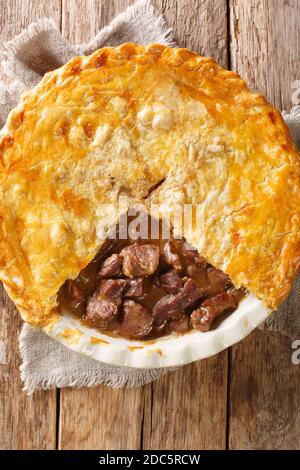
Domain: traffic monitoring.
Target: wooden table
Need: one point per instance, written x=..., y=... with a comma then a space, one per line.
x=247, y=397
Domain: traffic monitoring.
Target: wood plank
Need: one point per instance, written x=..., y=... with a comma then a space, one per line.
x=199, y=25
x=264, y=384
x=192, y=22
x=92, y=418
x=265, y=46
x=186, y=409
x=101, y=418
x=25, y=422
x=94, y=15
x=264, y=394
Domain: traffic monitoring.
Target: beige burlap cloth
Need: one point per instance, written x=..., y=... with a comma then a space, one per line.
x=40, y=48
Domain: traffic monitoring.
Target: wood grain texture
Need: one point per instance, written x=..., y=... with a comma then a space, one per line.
x=265, y=385
x=200, y=25
x=25, y=422
x=265, y=46
x=187, y=409
x=201, y=420
x=264, y=394
x=101, y=418
x=94, y=15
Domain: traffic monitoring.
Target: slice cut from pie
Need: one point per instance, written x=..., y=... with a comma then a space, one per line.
x=146, y=285
x=163, y=126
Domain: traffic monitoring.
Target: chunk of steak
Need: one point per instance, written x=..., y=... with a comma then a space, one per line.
x=199, y=274
x=181, y=323
x=140, y=260
x=112, y=266
x=170, y=306
x=219, y=281
x=191, y=254
x=171, y=282
x=137, y=320
x=112, y=288
x=100, y=311
x=210, y=279
x=203, y=317
x=171, y=257
x=134, y=288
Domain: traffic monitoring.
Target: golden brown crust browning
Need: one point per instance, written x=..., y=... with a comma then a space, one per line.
x=129, y=117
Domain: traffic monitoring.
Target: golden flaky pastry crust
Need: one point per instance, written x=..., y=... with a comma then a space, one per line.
x=130, y=117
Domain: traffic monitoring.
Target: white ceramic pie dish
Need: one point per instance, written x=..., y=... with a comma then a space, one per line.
x=167, y=351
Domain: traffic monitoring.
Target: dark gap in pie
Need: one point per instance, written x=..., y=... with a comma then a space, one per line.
x=112, y=180
x=154, y=187
x=148, y=287
x=122, y=189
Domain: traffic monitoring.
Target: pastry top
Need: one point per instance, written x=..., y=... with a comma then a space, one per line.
x=123, y=120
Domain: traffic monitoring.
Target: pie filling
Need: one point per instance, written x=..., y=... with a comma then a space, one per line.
x=149, y=287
